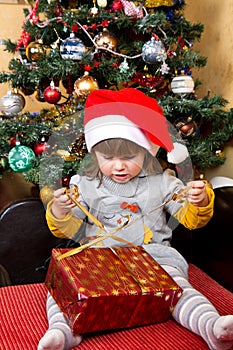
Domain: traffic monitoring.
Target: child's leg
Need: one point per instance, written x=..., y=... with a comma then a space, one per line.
x=196, y=313
x=59, y=335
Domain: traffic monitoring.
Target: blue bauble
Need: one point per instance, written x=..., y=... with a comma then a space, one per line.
x=20, y=158
x=72, y=48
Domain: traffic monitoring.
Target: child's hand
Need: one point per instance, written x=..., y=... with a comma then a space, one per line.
x=197, y=195
x=62, y=205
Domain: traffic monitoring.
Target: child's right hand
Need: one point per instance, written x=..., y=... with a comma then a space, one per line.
x=61, y=205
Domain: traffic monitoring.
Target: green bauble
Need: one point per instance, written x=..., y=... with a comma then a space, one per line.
x=21, y=158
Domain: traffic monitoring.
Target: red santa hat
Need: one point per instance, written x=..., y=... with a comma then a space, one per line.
x=131, y=115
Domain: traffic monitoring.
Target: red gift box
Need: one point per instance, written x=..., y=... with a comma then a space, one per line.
x=111, y=288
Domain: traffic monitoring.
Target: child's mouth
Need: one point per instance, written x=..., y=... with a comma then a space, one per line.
x=120, y=177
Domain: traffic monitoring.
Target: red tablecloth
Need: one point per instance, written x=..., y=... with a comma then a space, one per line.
x=23, y=321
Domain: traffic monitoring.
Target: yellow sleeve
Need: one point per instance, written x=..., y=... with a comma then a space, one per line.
x=193, y=217
x=64, y=228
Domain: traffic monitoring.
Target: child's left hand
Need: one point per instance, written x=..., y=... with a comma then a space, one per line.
x=197, y=195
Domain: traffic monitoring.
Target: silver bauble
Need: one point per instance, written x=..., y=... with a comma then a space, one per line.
x=153, y=51
x=182, y=84
x=12, y=103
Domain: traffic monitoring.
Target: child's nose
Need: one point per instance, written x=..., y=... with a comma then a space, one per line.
x=119, y=164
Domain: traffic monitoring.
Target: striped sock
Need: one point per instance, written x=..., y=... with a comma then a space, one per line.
x=195, y=312
x=59, y=335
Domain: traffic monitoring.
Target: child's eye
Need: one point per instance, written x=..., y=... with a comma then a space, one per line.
x=130, y=157
x=107, y=157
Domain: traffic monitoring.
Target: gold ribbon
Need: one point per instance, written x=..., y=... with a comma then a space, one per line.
x=92, y=217
x=95, y=241
x=176, y=197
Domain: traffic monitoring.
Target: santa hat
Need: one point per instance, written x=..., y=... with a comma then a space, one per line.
x=131, y=115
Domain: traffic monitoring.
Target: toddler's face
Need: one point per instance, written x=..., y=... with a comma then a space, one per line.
x=120, y=169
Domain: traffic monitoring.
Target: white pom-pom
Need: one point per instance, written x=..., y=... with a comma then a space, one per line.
x=178, y=154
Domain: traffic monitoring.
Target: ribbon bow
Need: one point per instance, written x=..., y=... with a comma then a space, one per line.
x=132, y=207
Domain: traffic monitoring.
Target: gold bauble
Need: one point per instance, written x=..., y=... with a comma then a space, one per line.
x=106, y=39
x=84, y=85
x=220, y=153
x=66, y=155
x=35, y=50
x=46, y=194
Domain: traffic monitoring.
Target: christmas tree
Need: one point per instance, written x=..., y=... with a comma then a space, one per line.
x=67, y=49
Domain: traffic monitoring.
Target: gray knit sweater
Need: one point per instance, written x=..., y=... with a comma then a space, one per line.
x=135, y=203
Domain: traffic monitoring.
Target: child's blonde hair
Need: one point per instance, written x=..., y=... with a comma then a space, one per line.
x=120, y=148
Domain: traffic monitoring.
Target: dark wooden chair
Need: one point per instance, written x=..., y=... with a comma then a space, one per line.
x=26, y=241
x=212, y=246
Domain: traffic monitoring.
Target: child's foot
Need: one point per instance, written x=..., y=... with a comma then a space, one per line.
x=54, y=339
x=223, y=328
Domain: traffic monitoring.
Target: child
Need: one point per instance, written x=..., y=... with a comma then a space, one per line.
x=124, y=182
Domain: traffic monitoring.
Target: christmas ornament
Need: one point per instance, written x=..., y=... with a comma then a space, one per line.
x=102, y=3
x=124, y=67
x=153, y=51
x=164, y=68
x=94, y=10
x=117, y=5
x=21, y=98
x=186, y=127
x=12, y=103
x=40, y=148
x=72, y=48
x=52, y=94
x=46, y=194
x=65, y=181
x=13, y=141
x=157, y=3
x=106, y=39
x=21, y=158
x=84, y=85
x=35, y=50
x=64, y=154
x=78, y=147
x=131, y=9
x=220, y=153
x=182, y=84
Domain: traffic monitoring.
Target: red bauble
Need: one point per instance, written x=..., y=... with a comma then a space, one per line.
x=40, y=148
x=52, y=94
x=117, y=5
x=16, y=139
x=65, y=181
x=13, y=141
